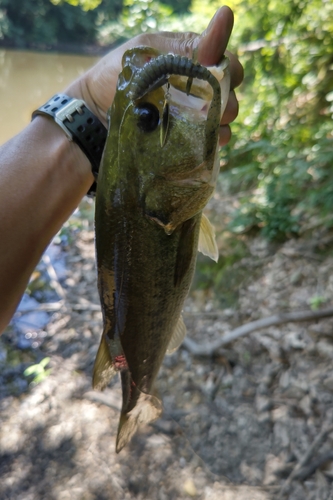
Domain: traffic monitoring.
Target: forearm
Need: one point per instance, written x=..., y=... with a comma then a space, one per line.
x=43, y=178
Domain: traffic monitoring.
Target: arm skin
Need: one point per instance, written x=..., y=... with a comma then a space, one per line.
x=43, y=176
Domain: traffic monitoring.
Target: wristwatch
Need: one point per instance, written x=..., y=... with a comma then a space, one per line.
x=80, y=126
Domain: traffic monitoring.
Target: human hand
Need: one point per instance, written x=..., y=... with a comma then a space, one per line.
x=97, y=87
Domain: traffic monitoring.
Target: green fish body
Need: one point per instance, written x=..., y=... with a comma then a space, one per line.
x=158, y=171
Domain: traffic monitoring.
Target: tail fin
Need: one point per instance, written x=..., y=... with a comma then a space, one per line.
x=104, y=368
x=147, y=409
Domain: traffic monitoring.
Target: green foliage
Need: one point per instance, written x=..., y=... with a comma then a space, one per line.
x=37, y=23
x=282, y=151
x=317, y=301
x=84, y=4
x=38, y=372
x=224, y=276
x=40, y=23
x=137, y=16
x=45, y=23
x=277, y=221
x=178, y=6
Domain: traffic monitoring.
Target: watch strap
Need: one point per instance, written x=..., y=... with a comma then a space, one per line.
x=80, y=126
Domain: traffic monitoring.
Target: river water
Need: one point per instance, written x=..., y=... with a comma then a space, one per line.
x=28, y=79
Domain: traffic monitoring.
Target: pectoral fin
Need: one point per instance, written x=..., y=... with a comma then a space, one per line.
x=207, y=242
x=177, y=336
x=104, y=368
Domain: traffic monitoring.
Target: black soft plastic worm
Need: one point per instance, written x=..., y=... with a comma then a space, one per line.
x=156, y=72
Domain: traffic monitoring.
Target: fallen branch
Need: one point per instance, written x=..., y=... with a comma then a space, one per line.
x=54, y=281
x=108, y=399
x=204, y=314
x=47, y=307
x=241, y=331
x=307, y=471
x=316, y=444
x=85, y=307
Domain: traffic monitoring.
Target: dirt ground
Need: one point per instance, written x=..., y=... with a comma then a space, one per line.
x=235, y=424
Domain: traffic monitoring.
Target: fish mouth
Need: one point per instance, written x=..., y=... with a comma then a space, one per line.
x=203, y=92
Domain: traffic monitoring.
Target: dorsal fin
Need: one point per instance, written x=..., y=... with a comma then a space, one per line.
x=207, y=241
x=177, y=336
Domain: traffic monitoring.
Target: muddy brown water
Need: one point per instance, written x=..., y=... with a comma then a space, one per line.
x=28, y=79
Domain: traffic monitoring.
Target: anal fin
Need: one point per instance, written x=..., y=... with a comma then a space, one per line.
x=177, y=336
x=104, y=369
x=207, y=241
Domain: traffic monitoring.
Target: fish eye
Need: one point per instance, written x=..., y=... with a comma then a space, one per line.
x=148, y=116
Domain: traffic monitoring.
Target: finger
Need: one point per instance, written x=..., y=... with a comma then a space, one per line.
x=231, y=110
x=175, y=43
x=213, y=41
x=224, y=135
x=236, y=71
x=212, y=44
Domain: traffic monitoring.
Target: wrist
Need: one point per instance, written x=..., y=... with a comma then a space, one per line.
x=79, y=125
x=65, y=157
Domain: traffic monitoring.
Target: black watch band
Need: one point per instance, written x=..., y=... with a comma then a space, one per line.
x=80, y=125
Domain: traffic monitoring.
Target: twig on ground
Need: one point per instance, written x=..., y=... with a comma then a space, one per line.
x=307, y=471
x=47, y=307
x=54, y=281
x=205, y=314
x=111, y=400
x=241, y=331
x=316, y=444
x=57, y=306
x=294, y=253
x=85, y=307
x=330, y=496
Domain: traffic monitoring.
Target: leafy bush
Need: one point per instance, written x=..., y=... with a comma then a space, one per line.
x=42, y=23
x=282, y=152
x=34, y=23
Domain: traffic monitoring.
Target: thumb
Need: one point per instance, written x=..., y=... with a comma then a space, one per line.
x=214, y=40
x=211, y=44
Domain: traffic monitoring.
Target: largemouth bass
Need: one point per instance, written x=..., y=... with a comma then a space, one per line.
x=158, y=171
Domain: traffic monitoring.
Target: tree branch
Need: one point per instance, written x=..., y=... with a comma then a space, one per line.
x=277, y=319
x=316, y=444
